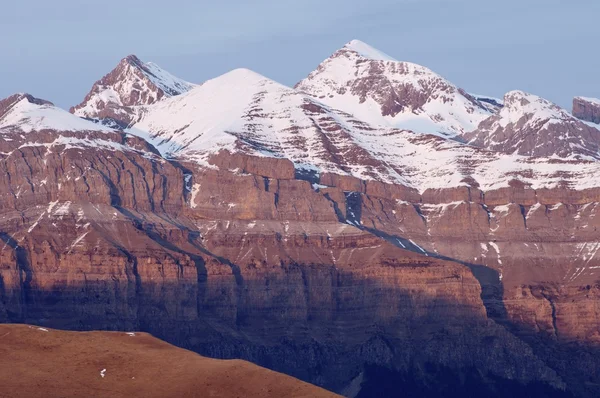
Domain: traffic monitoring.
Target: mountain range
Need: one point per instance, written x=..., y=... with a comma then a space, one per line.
x=373, y=229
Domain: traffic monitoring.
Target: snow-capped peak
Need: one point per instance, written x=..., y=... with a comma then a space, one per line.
x=366, y=51
x=132, y=82
x=517, y=103
x=168, y=83
x=200, y=119
x=25, y=113
x=533, y=126
x=244, y=112
x=377, y=89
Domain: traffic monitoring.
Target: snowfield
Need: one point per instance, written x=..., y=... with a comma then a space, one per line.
x=332, y=122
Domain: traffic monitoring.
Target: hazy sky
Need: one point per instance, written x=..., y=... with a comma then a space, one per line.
x=56, y=49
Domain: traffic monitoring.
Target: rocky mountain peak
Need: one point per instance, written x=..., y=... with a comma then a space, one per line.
x=533, y=126
x=26, y=113
x=519, y=102
x=132, y=82
x=8, y=103
x=242, y=111
x=380, y=90
x=587, y=109
x=133, y=60
x=363, y=50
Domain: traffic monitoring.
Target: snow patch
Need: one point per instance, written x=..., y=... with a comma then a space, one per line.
x=27, y=117
x=366, y=51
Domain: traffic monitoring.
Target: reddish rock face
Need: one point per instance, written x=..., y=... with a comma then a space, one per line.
x=324, y=270
x=532, y=126
x=383, y=91
x=587, y=109
x=105, y=239
x=131, y=83
x=97, y=167
x=282, y=169
x=199, y=259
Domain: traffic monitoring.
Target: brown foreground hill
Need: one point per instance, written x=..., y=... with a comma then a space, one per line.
x=40, y=362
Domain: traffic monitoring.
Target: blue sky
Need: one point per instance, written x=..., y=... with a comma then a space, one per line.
x=57, y=49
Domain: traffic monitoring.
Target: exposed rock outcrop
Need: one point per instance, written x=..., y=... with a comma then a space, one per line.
x=380, y=90
x=532, y=126
x=587, y=109
x=261, y=222
x=131, y=83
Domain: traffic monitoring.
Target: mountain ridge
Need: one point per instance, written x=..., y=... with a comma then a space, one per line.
x=383, y=91
x=278, y=228
x=132, y=82
x=532, y=126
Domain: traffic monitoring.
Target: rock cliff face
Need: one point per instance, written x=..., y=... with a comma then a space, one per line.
x=532, y=126
x=260, y=222
x=542, y=245
x=587, y=109
x=380, y=90
x=319, y=300
x=131, y=83
x=277, y=280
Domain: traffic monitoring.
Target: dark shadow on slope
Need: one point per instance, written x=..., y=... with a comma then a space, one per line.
x=436, y=381
x=307, y=175
x=23, y=267
x=492, y=290
x=325, y=350
x=552, y=351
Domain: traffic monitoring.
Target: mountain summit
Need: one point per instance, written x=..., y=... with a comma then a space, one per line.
x=26, y=113
x=342, y=232
x=533, y=126
x=132, y=82
x=380, y=90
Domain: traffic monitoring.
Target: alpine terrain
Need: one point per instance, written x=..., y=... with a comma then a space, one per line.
x=374, y=230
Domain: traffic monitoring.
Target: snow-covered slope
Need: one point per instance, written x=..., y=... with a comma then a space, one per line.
x=492, y=104
x=25, y=113
x=28, y=122
x=131, y=83
x=379, y=90
x=242, y=111
x=532, y=126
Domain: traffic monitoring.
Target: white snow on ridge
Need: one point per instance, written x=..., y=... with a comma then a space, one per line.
x=517, y=104
x=591, y=100
x=246, y=112
x=328, y=130
x=170, y=84
x=132, y=82
x=199, y=119
x=29, y=117
x=366, y=51
x=533, y=126
x=362, y=81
